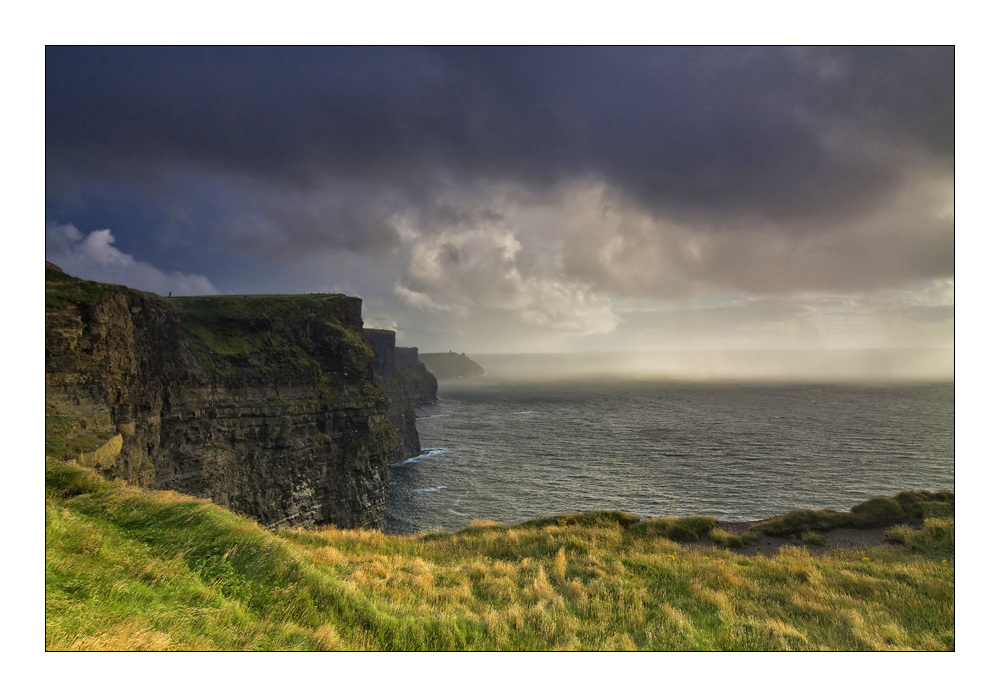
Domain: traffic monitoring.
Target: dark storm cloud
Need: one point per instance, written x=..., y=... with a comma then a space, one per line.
x=699, y=135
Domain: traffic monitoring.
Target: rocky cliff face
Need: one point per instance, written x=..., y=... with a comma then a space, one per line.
x=264, y=404
x=422, y=384
x=396, y=388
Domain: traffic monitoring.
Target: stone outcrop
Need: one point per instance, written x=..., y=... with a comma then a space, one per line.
x=267, y=405
x=446, y=366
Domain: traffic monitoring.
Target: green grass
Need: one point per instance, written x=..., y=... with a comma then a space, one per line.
x=63, y=290
x=907, y=506
x=878, y=512
x=237, y=339
x=294, y=336
x=689, y=529
x=937, y=535
x=723, y=538
x=133, y=569
x=811, y=537
x=70, y=430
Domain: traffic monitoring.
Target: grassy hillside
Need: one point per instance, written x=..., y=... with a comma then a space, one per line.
x=134, y=569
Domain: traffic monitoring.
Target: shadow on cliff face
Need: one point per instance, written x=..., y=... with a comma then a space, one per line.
x=405, y=381
x=267, y=405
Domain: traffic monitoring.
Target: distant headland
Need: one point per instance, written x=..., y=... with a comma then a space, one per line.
x=446, y=366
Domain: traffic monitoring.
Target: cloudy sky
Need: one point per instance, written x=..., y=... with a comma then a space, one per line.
x=526, y=200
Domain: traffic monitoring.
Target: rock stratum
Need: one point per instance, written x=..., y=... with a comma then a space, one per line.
x=422, y=384
x=276, y=407
x=405, y=380
x=446, y=366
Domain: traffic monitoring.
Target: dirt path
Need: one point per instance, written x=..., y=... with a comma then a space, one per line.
x=837, y=538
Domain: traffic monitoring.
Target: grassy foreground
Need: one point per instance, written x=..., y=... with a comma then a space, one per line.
x=133, y=569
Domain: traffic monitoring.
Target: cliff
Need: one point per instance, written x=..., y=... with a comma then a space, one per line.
x=421, y=382
x=267, y=405
x=449, y=365
x=387, y=377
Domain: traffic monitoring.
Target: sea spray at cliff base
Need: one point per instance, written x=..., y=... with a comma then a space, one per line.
x=432, y=452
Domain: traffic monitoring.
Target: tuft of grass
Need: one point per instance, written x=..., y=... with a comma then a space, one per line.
x=66, y=481
x=937, y=509
x=912, y=506
x=723, y=538
x=878, y=512
x=63, y=290
x=937, y=535
x=800, y=521
x=920, y=505
x=131, y=569
x=593, y=519
x=690, y=529
x=812, y=537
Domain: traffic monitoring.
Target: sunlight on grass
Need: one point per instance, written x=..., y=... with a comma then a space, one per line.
x=128, y=569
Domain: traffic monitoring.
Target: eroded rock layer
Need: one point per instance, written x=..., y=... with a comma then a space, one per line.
x=422, y=384
x=264, y=404
x=405, y=381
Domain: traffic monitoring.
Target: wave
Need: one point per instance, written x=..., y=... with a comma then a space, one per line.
x=430, y=452
x=525, y=412
x=429, y=489
x=432, y=416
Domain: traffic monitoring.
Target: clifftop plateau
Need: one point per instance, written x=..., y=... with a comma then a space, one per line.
x=265, y=404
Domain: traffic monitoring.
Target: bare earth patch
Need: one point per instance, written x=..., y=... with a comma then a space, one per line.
x=768, y=545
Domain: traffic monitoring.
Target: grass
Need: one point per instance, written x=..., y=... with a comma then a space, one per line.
x=131, y=569
x=688, y=529
x=907, y=506
x=937, y=535
x=300, y=335
x=311, y=338
x=811, y=537
x=723, y=538
x=71, y=429
x=63, y=290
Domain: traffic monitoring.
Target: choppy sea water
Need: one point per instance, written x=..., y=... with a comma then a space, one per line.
x=509, y=451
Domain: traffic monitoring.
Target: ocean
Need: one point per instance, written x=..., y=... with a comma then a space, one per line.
x=507, y=450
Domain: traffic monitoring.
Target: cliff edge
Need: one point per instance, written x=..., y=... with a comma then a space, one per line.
x=267, y=405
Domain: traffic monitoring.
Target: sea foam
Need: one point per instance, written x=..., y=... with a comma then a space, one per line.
x=430, y=452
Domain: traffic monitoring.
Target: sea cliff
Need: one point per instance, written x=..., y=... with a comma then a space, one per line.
x=405, y=381
x=267, y=405
x=419, y=380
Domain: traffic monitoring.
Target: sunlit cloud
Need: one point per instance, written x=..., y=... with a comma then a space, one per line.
x=464, y=270
x=94, y=256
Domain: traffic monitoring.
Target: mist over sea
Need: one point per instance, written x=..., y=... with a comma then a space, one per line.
x=517, y=444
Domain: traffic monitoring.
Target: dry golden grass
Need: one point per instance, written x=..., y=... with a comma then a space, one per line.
x=129, y=636
x=131, y=570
